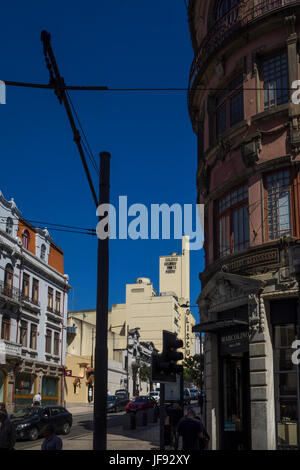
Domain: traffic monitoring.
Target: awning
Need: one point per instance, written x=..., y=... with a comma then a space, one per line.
x=214, y=326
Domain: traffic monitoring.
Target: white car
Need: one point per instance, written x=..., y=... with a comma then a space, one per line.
x=155, y=395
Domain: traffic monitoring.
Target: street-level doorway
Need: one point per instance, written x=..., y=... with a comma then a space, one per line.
x=235, y=409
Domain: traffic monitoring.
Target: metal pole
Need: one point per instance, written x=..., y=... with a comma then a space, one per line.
x=298, y=366
x=101, y=354
x=127, y=362
x=162, y=416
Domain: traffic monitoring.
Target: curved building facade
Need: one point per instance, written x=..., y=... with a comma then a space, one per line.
x=247, y=121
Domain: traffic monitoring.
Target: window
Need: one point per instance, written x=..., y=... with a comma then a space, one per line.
x=8, y=280
x=285, y=386
x=233, y=222
x=57, y=302
x=23, y=333
x=33, y=336
x=25, y=239
x=50, y=299
x=5, y=328
x=49, y=387
x=275, y=80
x=43, y=252
x=278, y=204
x=9, y=226
x=224, y=6
x=24, y=384
x=35, y=291
x=56, y=344
x=25, y=289
x=48, y=341
x=230, y=106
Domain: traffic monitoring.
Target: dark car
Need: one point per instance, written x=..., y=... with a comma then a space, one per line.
x=141, y=403
x=122, y=394
x=115, y=403
x=30, y=422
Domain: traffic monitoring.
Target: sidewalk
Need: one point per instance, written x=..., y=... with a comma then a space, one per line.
x=139, y=439
x=79, y=408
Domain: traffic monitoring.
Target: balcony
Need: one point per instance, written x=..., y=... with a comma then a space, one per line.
x=9, y=294
x=10, y=349
x=234, y=20
x=30, y=303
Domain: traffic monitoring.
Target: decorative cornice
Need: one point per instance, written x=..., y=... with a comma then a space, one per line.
x=9, y=205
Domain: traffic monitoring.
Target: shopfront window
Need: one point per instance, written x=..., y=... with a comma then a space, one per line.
x=233, y=400
x=24, y=384
x=285, y=386
x=50, y=387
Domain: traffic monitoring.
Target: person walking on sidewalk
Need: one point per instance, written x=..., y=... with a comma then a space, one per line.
x=7, y=432
x=51, y=441
x=175, y=414
x=191, y=431
x=37, y=400
x=3, y=408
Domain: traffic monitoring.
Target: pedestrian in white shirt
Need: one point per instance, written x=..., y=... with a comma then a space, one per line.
x=37, y=399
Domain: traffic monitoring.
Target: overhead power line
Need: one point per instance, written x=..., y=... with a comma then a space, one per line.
x=107, y=89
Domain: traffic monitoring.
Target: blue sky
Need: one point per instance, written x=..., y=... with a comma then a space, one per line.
x=121, y=45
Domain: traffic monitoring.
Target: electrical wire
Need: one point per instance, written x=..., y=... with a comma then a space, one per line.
x=87, y=146
x=104, y=88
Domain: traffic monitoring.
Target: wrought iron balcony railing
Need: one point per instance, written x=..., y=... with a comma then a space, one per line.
x=239, y=16
x=11, y=292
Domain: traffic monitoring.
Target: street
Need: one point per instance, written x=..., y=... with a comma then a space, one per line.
x=82, y=424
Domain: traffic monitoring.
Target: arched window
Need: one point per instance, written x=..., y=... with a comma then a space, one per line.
x=224, y=6
x=8, y=280
x=43, y=252
x=9, y=226
x=25, y=239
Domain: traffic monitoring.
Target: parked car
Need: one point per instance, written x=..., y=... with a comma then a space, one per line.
x=186, y=396
x=194, y=393
x=141, y=403
x=155, y=395
x=121, y=393
x=115, y=403
x=30, y=422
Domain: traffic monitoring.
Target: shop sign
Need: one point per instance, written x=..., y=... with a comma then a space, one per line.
x=234, y=341
x=68, y=373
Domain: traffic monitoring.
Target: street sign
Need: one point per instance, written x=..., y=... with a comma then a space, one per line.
x=172, y=390
x=68, y=373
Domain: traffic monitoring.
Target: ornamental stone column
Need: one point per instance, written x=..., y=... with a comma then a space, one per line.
x=261, y=376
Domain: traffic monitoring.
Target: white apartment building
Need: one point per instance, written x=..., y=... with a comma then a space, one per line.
x=169, y=310
x=33, y=311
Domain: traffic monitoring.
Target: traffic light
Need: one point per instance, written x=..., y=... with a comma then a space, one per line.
x=171, y=355
x=159, y=368
x=164, y=366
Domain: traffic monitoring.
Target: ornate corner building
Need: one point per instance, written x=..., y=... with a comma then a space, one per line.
x=248, y=177
x=33, y=312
